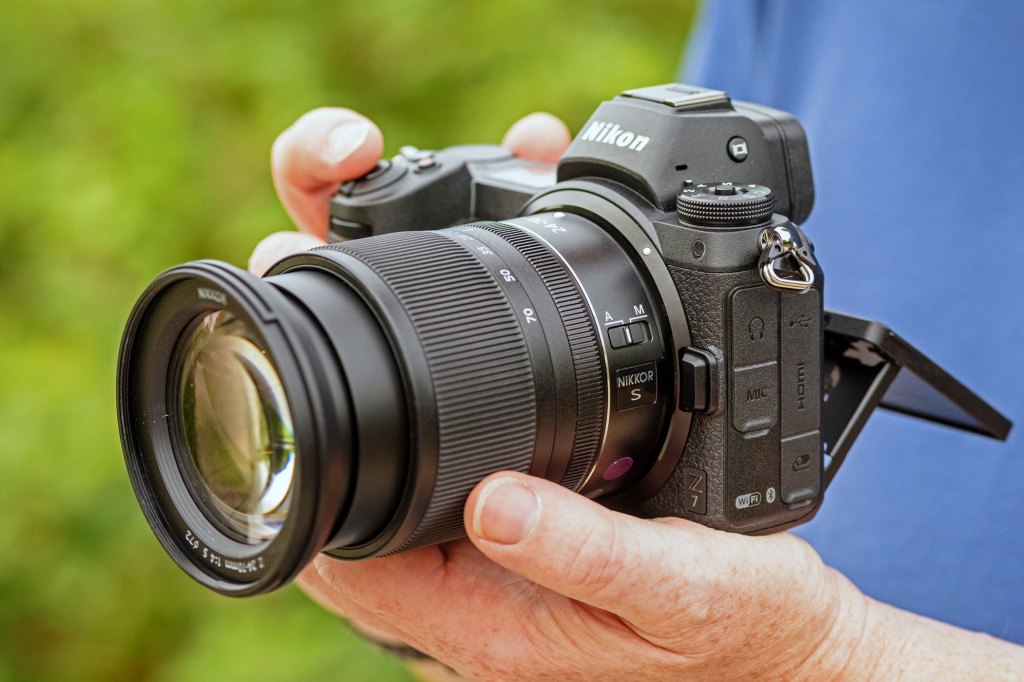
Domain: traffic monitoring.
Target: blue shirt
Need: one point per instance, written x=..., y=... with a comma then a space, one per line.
x=915, y=116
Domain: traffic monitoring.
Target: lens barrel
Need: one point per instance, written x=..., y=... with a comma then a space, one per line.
x=412, y=365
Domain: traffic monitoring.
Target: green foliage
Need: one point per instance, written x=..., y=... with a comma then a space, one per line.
x=135, y=135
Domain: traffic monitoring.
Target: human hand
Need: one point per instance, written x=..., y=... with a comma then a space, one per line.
x=328, y=146
x=551, y=585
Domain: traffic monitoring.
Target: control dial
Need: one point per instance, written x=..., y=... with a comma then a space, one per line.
x=725, y=204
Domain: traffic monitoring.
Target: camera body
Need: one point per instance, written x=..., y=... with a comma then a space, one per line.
x=641, y=323
x=726, y=361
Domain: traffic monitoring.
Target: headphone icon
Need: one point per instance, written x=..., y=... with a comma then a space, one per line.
x=756, y=329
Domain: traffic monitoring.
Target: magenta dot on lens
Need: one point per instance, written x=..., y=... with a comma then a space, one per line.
x=618, y=468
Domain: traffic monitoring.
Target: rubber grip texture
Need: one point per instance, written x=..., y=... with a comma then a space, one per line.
x=704, y=300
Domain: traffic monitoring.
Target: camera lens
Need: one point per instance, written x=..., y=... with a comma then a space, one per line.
x=239, y=442
x=350, y=400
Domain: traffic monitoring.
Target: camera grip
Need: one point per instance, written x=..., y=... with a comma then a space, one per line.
x=704, y=296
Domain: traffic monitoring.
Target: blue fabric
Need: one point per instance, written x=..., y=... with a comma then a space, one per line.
x=915, y=116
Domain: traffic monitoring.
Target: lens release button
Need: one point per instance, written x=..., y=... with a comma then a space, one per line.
x=697, y=386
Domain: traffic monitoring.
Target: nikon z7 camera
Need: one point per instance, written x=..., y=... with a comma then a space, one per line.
x=642, y=324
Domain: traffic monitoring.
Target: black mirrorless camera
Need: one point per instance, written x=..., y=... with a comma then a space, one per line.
x=642, y=323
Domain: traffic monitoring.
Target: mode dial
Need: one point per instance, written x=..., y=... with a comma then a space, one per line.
x=725, y=204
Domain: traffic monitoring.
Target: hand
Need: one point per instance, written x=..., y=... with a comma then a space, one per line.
x=329, y=146
x=551, y=585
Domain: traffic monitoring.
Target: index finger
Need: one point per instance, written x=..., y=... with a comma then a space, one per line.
x=324, y=147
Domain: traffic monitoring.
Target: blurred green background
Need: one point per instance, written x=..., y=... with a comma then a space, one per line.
x=135, y=135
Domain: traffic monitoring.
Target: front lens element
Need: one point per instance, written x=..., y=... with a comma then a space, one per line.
x=239, y=458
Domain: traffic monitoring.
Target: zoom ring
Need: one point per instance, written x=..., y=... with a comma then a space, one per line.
x=586, y=353
x=478, y=361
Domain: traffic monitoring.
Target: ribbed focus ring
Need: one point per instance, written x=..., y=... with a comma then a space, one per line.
x=586, y=353
x=478, y=361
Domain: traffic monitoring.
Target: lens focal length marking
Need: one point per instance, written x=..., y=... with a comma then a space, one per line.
x=540, y=326
x=210, y=557
x=615, y=293
x=585, y=356
x=503, y=273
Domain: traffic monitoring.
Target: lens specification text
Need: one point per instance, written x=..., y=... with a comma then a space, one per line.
x=242, y=567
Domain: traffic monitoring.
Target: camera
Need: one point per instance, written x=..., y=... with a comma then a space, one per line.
x=642, y=323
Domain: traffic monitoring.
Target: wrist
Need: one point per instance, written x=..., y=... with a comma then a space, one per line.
x=858, y=644
x=870, y=640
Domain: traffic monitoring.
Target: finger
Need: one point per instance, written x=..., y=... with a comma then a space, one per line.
x=538, y=137
x=431, y=598
x=460, y=607
x=637, y=569
x=323, y=148
x=370, y=625
x=395, y=589
x=277, y=246
x=407, y=596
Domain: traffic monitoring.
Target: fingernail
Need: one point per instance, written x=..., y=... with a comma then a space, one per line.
x=506, y=512
x=345, y=139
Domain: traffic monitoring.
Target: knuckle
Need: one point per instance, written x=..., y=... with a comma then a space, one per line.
x=596, y=561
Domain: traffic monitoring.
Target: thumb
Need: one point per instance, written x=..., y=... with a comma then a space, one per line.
x=574, y=546
x=324, y=147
